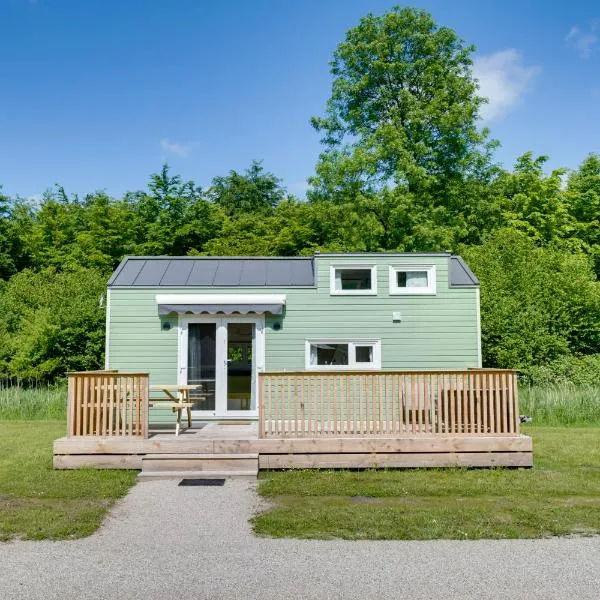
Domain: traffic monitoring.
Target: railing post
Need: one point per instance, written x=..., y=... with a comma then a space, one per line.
x=70, y=405
x=261, y=406
x=515, y=390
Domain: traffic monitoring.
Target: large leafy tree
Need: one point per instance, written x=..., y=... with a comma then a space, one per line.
x=403, y=109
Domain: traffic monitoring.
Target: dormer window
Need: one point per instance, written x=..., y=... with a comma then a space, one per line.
x=353, y=280
x=408, y=280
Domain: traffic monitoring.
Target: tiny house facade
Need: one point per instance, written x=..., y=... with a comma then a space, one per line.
x=219, y=322
x=330, y=361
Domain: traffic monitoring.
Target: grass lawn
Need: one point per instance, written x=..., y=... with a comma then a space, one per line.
x=37, y=502
x=559, y=496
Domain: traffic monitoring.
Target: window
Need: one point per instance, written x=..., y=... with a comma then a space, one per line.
x=340, y=355
x=353, y=280
x=412, y=280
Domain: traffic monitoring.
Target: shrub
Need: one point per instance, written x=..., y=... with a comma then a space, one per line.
x=52, y=322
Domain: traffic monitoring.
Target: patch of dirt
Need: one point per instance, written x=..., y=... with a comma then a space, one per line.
x=365, y=500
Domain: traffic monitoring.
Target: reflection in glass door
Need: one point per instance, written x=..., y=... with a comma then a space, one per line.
x=201, y=364
x=240, y=367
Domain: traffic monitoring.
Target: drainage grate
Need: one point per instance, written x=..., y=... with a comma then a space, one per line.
x=202, y=482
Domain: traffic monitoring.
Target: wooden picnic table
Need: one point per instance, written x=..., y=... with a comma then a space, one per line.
x=177, y=397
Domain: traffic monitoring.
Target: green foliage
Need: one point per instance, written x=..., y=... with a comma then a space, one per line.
x=254, y=191
x=583, y=201
x=537, y=303
x=52, y=323
x=581, y=370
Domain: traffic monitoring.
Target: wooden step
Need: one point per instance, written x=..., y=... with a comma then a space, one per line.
x=200, y=463
x=158, y=475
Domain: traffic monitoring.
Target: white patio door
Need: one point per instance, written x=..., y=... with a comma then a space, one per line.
x=222, y=355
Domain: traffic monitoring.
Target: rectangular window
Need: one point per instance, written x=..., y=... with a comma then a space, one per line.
x=412, y=280
x=353, y=280
x=341, y=355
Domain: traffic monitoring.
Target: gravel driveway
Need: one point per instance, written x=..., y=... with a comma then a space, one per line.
x=165, y=541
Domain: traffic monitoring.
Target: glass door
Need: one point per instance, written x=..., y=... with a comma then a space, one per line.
x=223, y=355
x=240, y=366
x=201, y=364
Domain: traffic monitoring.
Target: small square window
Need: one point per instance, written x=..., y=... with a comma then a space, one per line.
x=412, y=280
x=409, y=279
x=364, y=354
x=353, y=280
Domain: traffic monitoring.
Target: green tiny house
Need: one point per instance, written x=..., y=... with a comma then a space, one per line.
x=330, y=361
x=219, y=322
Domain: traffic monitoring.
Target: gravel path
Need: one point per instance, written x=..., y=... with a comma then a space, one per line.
x=165, y=541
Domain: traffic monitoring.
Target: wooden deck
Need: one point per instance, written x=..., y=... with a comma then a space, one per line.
x=306, y=420
x=214, y=447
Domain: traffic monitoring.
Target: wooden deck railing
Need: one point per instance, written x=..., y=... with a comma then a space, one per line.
x=475, y=402
x=107, y=403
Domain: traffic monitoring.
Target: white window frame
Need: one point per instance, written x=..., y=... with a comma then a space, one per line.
x=430, y=290
x=352, y=267
x=352, y=364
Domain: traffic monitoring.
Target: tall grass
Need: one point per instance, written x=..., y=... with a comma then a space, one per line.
x=40, y=402
x=561, y=404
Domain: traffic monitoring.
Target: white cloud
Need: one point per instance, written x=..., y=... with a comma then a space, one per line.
x=503, y=80
x=177, y=148
x=583, y=41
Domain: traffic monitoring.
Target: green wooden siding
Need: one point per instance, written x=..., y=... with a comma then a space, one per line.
x=436, y=332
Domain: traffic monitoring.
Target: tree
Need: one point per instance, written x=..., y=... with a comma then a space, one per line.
x=583, y=203
x=254, y=191
x=403, y=110
x=10, y=246
x=52, y=322
x=161, y=215
x=538, y=304
x=534, y=203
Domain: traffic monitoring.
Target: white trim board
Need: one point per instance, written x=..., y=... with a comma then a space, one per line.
x=107, y=332
x=478, y=317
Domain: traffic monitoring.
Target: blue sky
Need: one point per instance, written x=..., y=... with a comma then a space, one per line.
x=98, y=94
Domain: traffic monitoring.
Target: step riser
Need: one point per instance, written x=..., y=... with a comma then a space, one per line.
x=201, y=463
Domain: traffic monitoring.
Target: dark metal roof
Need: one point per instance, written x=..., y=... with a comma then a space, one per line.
x=192, y=271
x=184, y=271
x=460, y=275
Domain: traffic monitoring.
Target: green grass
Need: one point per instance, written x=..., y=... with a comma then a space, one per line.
x=563, y=404
x=560, y=496
x=42, y=402
x=37, y=502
